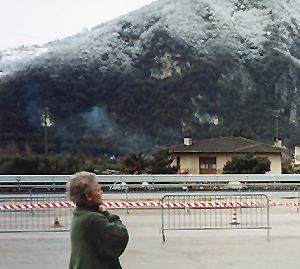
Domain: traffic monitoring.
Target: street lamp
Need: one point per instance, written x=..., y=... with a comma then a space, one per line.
x=46, y=122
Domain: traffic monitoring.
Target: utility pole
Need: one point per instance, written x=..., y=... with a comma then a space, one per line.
x=276, y=114
x=45, y=140
x=276, y=119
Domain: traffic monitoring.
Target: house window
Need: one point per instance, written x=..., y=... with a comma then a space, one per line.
x=177, y=161
x=207, y=165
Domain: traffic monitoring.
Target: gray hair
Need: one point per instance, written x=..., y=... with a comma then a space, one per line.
x=79, y=184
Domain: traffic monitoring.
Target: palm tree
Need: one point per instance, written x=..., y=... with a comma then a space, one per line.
x=135, y=163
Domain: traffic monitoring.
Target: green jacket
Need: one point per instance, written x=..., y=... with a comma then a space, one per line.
x=97, y=240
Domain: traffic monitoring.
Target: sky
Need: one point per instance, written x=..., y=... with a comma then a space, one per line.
x=34, y=22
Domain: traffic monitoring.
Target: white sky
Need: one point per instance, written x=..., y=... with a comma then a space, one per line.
x=29, y=22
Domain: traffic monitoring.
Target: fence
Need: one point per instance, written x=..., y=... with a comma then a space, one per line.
x=37, y=210
x=212, y=212
x=127, y=196
x=50, y=212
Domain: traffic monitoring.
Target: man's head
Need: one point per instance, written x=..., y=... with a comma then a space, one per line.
x=83, y=187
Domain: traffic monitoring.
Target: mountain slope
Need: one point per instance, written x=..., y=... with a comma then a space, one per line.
x=175, y=67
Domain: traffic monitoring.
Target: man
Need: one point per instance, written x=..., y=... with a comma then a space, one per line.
x=98, y=238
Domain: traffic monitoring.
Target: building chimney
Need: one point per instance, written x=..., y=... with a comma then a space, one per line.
x=187, y=140
x=277, y=142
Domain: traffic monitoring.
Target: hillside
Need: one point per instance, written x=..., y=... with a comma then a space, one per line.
x=175, y=67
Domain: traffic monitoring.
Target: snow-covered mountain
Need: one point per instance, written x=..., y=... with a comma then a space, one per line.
x=12, y=60
x=210, y=59
x=242, y=27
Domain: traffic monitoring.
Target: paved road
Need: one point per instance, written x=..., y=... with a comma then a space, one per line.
x=190, y=250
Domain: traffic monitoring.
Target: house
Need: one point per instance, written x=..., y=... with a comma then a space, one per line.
x=209, y=156
x=297, y=158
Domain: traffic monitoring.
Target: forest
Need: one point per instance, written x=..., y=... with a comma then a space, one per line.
x=149, y=78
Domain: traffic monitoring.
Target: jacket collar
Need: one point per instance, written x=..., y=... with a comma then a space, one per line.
x=86, y=206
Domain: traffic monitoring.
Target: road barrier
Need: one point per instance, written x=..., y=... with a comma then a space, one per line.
x=35, y=213
x=39, y=211
x=214, y=212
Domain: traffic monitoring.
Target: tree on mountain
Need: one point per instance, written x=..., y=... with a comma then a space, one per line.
x=135, y=163
x=247, y=164
x=44, y=165
x=160, y=163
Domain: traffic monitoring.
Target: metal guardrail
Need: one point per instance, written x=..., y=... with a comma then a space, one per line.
x=56, y=183
x=215, y=212
x=62, y=179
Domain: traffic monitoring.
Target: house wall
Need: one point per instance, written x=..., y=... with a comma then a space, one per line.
x=222, y=159
x=275, y=167
x=190, y=161
x=297, y=155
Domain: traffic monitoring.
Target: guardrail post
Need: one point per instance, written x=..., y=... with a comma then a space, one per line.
x=19, y=183
x=126, y=193
x=162, y=220
x=31, y=201
x=53, y=184
x=186, y=189
x=298, y=189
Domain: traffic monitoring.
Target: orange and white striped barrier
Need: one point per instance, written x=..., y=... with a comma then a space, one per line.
x=148, y=204
x=37, y=205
